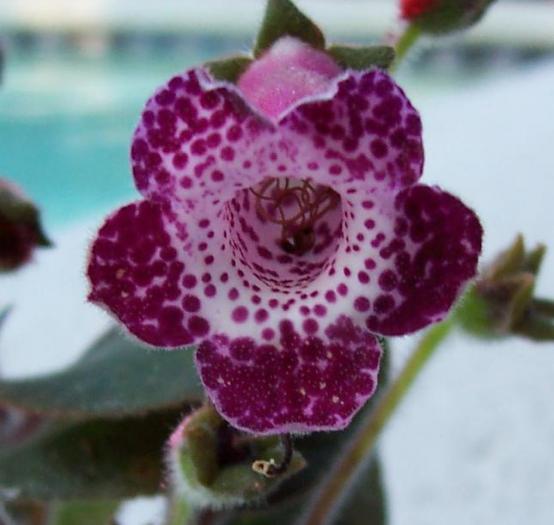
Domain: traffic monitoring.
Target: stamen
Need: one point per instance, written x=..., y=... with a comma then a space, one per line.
x=275, y=195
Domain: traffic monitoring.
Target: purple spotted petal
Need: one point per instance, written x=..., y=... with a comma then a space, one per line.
x=197, y=142
x=299, y=383
x=364, y=133
x=421, y=260
x=137, y=272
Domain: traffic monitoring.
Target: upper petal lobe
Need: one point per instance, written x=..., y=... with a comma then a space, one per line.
x=364, y=132
x=198, y=141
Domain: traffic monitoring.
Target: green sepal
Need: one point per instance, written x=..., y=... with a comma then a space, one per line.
x=99, y=459
x=533, y=259
x=82, y=512
x=117, y=377
x=362, y=58
x=199, y=460
x=501, y=300
x=207, y=477
x=509, y=261
x=473, y=316
x=493, y=310
x=229, y=69
x=283, y=18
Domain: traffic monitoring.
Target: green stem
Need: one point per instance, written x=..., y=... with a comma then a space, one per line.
x=325, y=503
x=406, y=41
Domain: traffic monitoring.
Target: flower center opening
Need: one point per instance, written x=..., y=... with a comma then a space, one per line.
x=284, y=231
x=296, y=207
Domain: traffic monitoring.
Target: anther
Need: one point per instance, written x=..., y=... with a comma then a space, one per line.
x=305, y=205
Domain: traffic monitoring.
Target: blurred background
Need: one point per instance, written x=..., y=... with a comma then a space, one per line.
x=474, y=443
x=78, y=73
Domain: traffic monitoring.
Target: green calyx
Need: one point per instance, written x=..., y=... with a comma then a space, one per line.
x=215, y=463
x=229, y=69
x=282, y=18
x=501, y=302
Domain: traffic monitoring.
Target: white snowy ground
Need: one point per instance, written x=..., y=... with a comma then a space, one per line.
x=474, y=442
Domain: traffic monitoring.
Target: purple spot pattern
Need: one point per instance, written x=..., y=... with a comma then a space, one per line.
x=366, y=136
x=197, y=143
x=196, y=262
x=297, y=384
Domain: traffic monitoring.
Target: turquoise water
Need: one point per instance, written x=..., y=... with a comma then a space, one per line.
x=66, y=124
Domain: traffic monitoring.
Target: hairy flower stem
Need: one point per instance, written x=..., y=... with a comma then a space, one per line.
x=360, y=448
x=404, y=43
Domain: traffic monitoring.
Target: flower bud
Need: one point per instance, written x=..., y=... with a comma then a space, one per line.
x=443, y=16
x=501, y=302
x=20, y=228
x=213, y=465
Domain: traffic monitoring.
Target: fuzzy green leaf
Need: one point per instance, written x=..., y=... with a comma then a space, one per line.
x=117, y=377
x=361, y=58
x=229, y=69
x=283, y=18
x=100, y=459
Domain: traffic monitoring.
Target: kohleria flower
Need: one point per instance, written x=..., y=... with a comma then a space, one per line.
x=282, y=227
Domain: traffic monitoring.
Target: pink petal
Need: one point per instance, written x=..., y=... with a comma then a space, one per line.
x=289, y=71
x=362, y=133
x=301, y=383
x=197, y=141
